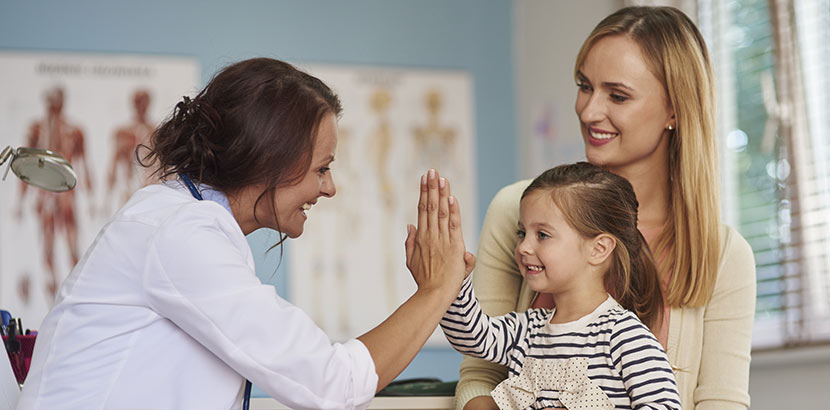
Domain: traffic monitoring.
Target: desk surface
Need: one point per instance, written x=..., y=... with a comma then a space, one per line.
x=379, y=403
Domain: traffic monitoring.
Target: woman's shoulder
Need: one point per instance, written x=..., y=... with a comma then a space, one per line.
x=737, y=261
x=509, y=196
x=502, y=215
x=734, y=248
x=172, y=209
x=516, y=187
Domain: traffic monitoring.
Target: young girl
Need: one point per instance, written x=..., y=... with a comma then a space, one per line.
x=578, y=240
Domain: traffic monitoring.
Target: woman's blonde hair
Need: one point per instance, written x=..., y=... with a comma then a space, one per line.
x=689, y=246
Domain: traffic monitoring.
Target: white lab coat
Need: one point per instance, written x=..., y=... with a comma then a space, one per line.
x=165, y=311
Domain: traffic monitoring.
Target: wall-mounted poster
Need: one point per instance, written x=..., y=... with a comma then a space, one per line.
x=93, y=109
x=348, y=269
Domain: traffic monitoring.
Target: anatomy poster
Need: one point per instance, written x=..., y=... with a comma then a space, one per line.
x=348, y=270
x=93, y=109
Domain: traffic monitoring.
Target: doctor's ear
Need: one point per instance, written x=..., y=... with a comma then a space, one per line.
x=602, y=246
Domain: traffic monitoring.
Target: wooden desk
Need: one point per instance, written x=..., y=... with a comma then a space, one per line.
x=379, y=403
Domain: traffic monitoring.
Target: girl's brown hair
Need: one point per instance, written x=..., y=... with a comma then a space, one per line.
x=254, y=123
x=676, y=54
x=595, y=201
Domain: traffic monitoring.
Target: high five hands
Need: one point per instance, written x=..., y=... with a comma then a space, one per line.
x=439, y=262
x=435, y=251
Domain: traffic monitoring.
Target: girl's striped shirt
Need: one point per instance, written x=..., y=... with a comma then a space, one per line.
x=624, y=358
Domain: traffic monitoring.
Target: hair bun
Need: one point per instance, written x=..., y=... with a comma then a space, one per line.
x=183, y=109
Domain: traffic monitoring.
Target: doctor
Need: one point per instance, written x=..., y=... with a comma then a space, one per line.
x=164, y=311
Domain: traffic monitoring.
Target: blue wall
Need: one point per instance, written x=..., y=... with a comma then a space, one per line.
x=473, y=35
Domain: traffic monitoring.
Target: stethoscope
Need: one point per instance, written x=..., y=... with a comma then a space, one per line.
x=246, y=399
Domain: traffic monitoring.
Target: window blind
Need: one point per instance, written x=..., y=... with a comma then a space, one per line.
x=772, y=63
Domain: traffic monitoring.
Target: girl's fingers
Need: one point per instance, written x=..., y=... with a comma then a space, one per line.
x=469, y=262
x=443, y=207
x=454, y=221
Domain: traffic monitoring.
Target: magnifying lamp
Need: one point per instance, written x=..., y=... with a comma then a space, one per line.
x=39, y=167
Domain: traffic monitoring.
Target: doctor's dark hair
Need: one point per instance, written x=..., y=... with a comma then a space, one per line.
x=595, y=201
x=254, y=123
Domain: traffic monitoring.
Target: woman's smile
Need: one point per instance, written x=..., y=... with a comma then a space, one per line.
x=598, y=137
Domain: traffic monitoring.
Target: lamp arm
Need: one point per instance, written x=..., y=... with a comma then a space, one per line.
x=7, y=152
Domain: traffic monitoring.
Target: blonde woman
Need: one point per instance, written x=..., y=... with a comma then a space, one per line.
x=645, y=102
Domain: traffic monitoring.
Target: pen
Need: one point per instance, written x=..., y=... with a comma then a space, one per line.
x=6, y=316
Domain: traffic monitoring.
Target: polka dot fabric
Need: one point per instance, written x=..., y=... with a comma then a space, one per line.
x=567, y=378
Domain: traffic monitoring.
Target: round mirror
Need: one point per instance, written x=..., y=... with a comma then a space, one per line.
x=43, y=169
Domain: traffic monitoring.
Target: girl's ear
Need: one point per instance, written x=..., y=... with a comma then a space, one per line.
x=602, y=246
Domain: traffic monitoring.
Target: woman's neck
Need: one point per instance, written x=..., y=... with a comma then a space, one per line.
x=242, y=204
x=651, y=185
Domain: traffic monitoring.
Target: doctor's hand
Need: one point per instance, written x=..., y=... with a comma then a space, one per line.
x=435, y=252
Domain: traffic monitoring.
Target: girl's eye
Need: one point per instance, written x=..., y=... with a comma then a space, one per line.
x=324, y=170
x=542, y=235
x=520, y=233
x=584, y=87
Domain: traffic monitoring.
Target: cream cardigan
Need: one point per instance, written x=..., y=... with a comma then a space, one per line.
x=708, y=347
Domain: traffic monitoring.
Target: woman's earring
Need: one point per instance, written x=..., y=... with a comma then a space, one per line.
x=670, y=127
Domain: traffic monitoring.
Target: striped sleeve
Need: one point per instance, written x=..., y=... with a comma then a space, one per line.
x=470, y=331
x=644, y=366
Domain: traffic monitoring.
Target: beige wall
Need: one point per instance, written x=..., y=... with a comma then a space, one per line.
x=548, y=35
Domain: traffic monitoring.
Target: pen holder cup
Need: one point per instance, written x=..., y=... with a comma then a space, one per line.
x=21, y=359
